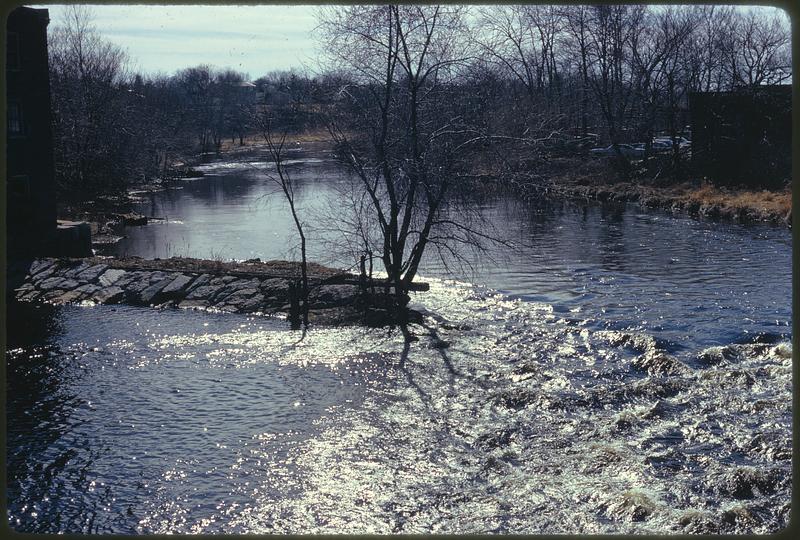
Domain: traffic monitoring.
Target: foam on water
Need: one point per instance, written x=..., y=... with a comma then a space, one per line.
x=498, y=417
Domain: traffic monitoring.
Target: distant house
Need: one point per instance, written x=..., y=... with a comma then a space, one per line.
x=247, y=91
x=743, y=137
x=30, y=184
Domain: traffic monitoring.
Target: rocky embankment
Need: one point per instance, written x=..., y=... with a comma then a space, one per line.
x=250, y=287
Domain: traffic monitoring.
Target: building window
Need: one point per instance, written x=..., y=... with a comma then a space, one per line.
x=14, y=115
x=12, y=52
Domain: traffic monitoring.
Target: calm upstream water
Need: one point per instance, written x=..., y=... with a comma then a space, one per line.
x=622, y=372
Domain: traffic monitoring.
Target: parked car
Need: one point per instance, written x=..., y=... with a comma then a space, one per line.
x=664, y=144
x=630, y=151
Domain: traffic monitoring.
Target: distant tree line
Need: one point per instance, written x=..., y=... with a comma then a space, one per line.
x=543, y=79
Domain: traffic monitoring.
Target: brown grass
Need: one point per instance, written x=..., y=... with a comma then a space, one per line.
x=778, y=203
x=311, y=136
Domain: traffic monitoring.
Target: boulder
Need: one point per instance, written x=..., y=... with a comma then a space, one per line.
x=205, y=292
x=158, y=276
x=201, y=280
x=110, y=276
x=137, y=283
x=222, y=280
x=92, y=273
x=151, y=294
x=39, y=265
x=50, y=283
x=193, y=304
x=176, y=286
x=74, y=271
x=109, y=295
x=333, y=295
x=45, y=273
x=68, y=297
x=276, y=287
x=254, y=303
x=88, y=289
x=133, y=219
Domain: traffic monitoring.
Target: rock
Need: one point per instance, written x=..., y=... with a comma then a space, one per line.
x=69, y=284
x=333, y=295
x=29, y=296
x=73, y=239
x=177, y=285
x=88, y=289
x=277, y=287
x=25, y=287
x=254, y=303
x=50, y=283
x=136, y=284
x=201, y=280
x=67, y=297
x=150, y=294
x=193, y=304
x=45, y=273
x=76, y=270
x=92, y=273
x=133, y=219
x=39, y=265
x=222, y=280
x=49, y=296
x=205, y=292
x=109, y=295
x=158, y=276
x=241, y=295
x=110, y=276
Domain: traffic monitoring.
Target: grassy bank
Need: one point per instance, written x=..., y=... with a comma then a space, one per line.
x=704, y=200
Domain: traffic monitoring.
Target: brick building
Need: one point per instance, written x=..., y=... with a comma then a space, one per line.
x=743, y=137
x=30, y=184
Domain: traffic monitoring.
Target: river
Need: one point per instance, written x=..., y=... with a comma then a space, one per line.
x=621, y=372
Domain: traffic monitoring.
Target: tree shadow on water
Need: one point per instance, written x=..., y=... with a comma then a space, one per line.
x=439, y=345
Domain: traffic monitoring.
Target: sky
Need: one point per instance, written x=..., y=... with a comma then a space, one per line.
x=164, y=39
x=250, y=39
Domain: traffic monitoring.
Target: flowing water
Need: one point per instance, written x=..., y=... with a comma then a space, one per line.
x=625, y=372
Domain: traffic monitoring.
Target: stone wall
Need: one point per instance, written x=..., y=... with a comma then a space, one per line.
x=62, y=281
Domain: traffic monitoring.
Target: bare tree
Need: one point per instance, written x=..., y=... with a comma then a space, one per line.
x=398, y=128
x=283, y=179
x=760, y=52
x=85, y=73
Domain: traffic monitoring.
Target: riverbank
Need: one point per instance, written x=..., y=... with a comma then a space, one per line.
x=576, y=178
x=250, y=287
x=705, y=201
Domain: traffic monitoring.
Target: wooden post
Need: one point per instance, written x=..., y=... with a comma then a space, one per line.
x=294, y=305
x=362, y=277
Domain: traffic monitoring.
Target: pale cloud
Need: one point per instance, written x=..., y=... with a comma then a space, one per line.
x=253, y=39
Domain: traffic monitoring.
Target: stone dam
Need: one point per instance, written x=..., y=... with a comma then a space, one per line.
x=251, y=287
